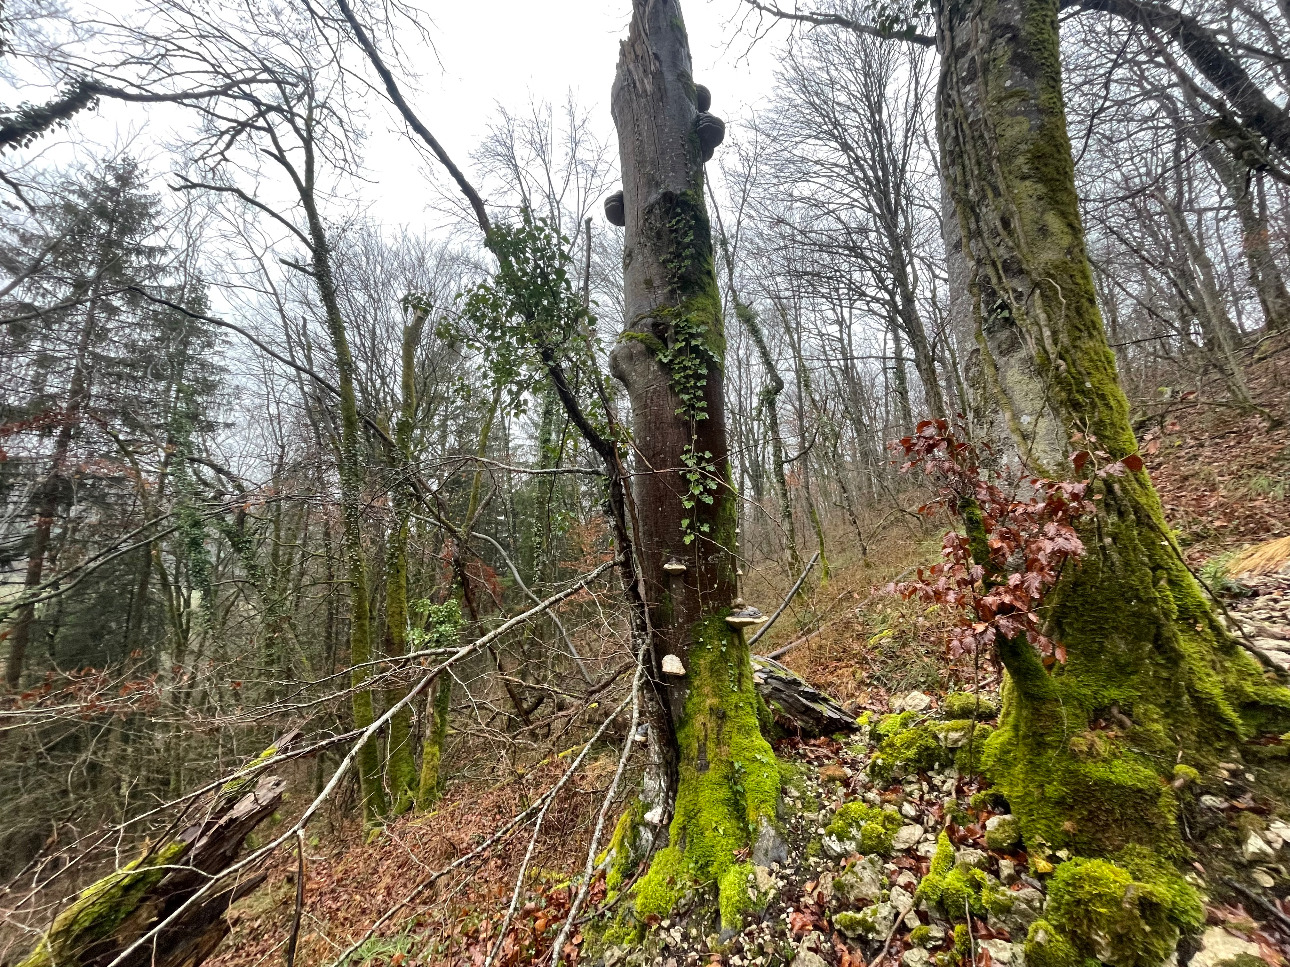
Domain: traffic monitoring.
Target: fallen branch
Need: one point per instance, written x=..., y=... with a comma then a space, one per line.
x=783, y=607
x=154, y=895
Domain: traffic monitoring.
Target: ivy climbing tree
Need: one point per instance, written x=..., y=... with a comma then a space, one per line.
x=670, y=357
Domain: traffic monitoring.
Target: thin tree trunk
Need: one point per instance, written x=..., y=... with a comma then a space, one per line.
x=350, y=455
x=401, y=772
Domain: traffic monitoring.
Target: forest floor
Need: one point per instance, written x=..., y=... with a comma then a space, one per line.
x=1225, y=482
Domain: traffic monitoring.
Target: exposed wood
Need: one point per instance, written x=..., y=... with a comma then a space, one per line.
x=790, y=697
x=110, y=915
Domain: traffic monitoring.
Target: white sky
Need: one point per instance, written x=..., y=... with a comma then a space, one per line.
x=489, y=53
x=502, y=52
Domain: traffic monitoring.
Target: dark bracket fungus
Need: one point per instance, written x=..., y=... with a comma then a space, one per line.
x=614, y=210
x=702, y=97
x=712, y=131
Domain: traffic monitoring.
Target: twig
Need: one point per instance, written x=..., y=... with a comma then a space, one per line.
x=1282, y=920
x=791, y=594
x=900, y=916
x=300, y=898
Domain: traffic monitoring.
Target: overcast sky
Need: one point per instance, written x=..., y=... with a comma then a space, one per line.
x=501, y=52
x=488, y=53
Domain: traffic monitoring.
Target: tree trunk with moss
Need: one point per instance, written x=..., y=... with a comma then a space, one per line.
x=401, y=769
x=670, y=358
x=1145, y=651
x=350, y=460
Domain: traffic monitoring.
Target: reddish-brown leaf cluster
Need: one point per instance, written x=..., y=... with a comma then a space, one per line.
x=1019, y=536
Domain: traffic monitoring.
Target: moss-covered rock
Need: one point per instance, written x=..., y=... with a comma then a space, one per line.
x=873, y=922
x=869, y=829
x=968, y=705
x=1002, y=832
x=954, y=887
x=1127, y=914
x=909, y=750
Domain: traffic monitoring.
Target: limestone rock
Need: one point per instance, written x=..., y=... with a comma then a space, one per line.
x=769, y=847
x=972, y=858
x=873, y=922
x=1002, y=832
x=907, y=837
x=1255, y=849
x=808, y=951
x=1003, y=953
x=915, y=957
x=1219, y=948
x=861, y=882
x=914, y=702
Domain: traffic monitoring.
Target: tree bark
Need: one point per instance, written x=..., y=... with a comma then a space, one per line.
x=401, y=769
x=1138, y=633
x=670, y=358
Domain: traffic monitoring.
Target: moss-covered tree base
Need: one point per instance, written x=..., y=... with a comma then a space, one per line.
x=727, y=790
x=1087, y=753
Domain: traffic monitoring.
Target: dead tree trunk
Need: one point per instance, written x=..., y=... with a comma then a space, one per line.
x=670, y=358
x=109, y=916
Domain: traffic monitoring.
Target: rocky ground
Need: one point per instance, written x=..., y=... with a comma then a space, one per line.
x=1260, y=606
x=902, y=857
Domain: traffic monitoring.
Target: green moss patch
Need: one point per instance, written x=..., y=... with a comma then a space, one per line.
x=968, y=705
x=1128, y=914
x=869, y=827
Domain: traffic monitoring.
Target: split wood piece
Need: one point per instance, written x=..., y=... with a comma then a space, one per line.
x=790, y=697
x=110, y=915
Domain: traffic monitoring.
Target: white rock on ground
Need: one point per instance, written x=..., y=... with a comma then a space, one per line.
x=1218, y=947
x=907, y=837
x=915, y=702
x=1255, y=849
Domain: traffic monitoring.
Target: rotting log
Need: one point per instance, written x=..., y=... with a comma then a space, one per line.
x=110, y=915
x=793, y=700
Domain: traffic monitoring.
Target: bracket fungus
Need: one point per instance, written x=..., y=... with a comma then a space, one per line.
x=614, y=210
x=673, y=566
x=744, y=616
x=672, y=665
x=702, y=97
x=712, y=131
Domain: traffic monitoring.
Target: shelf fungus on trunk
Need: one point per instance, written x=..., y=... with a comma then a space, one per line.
x=672, y=665
x=712, y=131
x=702, y=97
x=614, y=210
x=744, y=616
x=673, y=566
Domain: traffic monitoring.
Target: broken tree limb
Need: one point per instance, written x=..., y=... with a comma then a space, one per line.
x=109, y=916
x=783, y=607
x=790, y=697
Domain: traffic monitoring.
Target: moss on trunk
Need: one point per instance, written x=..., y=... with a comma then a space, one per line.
x=671, y=359
x=1084, y=752
x=728, y=786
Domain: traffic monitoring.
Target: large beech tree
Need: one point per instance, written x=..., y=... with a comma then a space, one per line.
x=671, y=358
x=1145, y=650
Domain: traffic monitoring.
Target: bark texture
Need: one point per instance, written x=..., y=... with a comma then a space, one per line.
x=670, y=359
x=1144, y=647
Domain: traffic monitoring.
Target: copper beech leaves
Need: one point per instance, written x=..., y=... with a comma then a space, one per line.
x=1017, y=538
